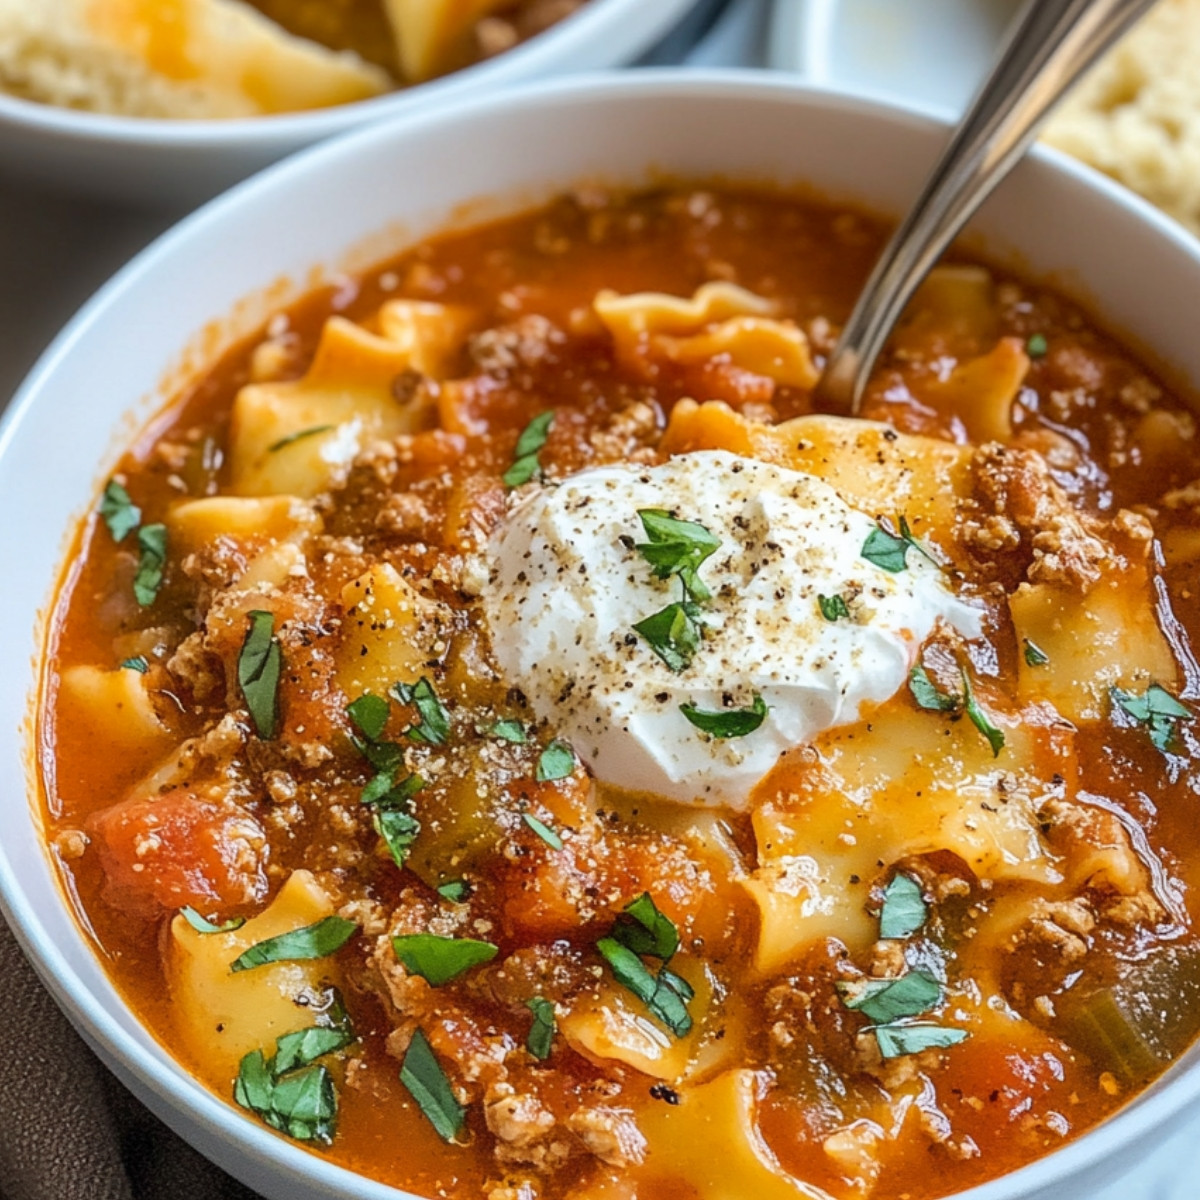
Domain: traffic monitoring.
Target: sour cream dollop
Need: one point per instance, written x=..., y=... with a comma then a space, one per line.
x=567, y=585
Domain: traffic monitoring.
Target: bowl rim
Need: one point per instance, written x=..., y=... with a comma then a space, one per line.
x=628, y=25
x=1159, y=1109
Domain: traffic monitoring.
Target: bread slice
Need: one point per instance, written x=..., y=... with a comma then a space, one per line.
x=171, y=58
x=1136, y=117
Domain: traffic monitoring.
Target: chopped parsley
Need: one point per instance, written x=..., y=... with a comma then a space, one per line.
x=904, y=910
x=833, y=608
x=641, y=931
x=929, y=696
x=383, y=756
x=438, y=960
x=152, y=544
x=119, y=512
x=454, y=890
x=1037, y=346
x=1157, y=710
x=508, y=730
x=883, y=1001
x=122, y=517
x=980, y=719
x=914, y=1036
x=305, y=1046
x=426, y=1083
x=665, y=995
x=318, y=940
x=383, y=790
x=672, y=995
x=889, y=1004
x=386, y=792
x=200, y=925
x=260, y=664
x=673, y=633
x=433, y=728
x=396, y=825
x=543, y=831
x=388, y=760
x=644, y=930
x=727, y=723
x=369, y=714
x=541, y=1032
x=299, y=435
x=677, y=548
x=1035, y=656
x=557, y=761
x=925, y=692
x=138, y=663
x=526, y=463
x=889, y=551
x=300, y=1099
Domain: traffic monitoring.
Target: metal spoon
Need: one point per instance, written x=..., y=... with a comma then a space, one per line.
x=1051, y=44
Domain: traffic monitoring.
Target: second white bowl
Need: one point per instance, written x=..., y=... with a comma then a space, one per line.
x=179, y=164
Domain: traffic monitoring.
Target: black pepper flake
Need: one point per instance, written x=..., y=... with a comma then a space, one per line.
x=405, y=385
x=660, y=1091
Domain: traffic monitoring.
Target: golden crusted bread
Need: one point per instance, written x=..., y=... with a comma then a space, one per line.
x=170, y=58
x=1137, y=115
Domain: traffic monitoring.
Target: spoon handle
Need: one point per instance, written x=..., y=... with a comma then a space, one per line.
x=1050, y=45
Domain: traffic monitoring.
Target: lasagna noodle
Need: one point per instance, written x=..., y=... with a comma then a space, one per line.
x=720, y=322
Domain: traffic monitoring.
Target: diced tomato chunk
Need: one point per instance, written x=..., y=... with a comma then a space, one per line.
x=1001, y=1093
x=178, y=848
x=547, y=893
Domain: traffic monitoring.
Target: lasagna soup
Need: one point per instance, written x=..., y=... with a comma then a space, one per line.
x=499, y=734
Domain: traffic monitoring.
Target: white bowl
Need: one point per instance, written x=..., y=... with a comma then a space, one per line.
x=370, y=194
x=181, y=163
